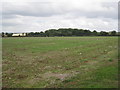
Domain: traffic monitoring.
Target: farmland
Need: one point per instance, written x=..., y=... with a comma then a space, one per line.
x=60, y=62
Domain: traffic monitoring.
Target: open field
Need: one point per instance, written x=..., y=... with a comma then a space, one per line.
x=68, y=62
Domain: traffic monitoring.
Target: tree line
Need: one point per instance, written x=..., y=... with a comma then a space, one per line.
x=66, y=32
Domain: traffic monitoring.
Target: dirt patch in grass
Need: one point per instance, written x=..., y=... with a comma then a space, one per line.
x=56, y=75
x=60, y=76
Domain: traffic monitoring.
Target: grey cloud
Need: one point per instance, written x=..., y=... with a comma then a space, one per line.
x=7, y=16
x=48, y=9
x=44, y=15
x=9, y=24
x=110, y=4
x=109, y=11
x=32, y=9
x=97, y=14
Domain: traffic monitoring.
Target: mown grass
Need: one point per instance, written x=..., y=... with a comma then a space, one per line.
x=68, y=62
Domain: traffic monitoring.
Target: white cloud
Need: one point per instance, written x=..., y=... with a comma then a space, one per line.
x=34, y=15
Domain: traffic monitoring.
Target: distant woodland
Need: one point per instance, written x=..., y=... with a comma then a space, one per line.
x=65, y=32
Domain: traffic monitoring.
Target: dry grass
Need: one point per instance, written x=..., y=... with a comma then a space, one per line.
x=60, y=62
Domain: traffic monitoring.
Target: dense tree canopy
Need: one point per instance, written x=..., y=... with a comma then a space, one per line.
x=66, y=32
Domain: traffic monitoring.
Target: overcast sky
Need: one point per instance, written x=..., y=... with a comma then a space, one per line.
x=41, y=15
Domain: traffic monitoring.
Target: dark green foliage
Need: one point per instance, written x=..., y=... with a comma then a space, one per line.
x=67, y=32
x=70, y=32
x=3, y=34
x=6, y=34
x=9, y=34
x=94, y=33
x=103, y=33
x=110, y=59
x=113, y=33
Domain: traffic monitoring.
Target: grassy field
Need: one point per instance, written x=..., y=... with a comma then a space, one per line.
x=64, y=62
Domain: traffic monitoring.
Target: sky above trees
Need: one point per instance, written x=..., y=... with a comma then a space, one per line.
x=41, y=15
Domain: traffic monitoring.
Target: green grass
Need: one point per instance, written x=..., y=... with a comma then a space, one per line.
x=64, y=62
